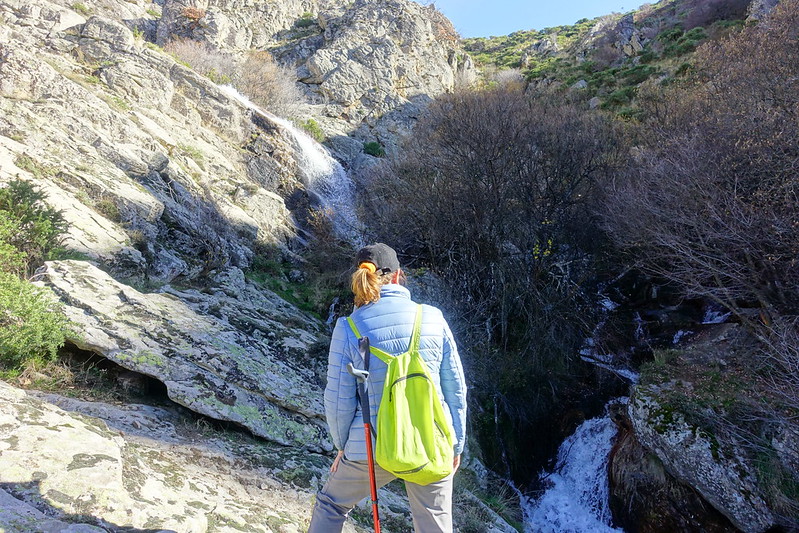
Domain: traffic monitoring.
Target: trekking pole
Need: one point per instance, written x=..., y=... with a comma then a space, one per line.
x=361, y=377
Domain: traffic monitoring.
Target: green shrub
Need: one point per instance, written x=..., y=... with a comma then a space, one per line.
x=109, y=209
x=374, y=149
x=637, y=74
x=312, y=128
x=670, y=36
x=729, y=24
x=218, y=77
x=696, y=34
x=36, y=228
x=119, y=103
x=630, y=113
x=648, y=56
x=686, y=43
x=194, y=153
x=39, y=170
x=683, y=69
x=32, y=328
x=305, y=21
x=620, y=97
x=11, y=259
x=81, y=8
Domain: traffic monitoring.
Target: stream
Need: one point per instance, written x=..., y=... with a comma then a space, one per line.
x=575, y=497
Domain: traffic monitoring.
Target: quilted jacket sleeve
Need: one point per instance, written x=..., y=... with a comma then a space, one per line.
x=340, y=399
x=453, y=387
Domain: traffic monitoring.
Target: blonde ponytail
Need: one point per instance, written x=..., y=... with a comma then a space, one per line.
x=366, y=285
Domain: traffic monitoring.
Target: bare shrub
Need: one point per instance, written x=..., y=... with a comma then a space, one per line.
x=268, y=84
x=509, y=76
x=781, y=363
x=604, y=55
x=192, y=13
x=493, y=193
x=203, y=58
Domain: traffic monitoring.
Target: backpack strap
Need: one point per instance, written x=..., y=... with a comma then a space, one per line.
x=417, y=330
x=385, y=356
x=380, y=354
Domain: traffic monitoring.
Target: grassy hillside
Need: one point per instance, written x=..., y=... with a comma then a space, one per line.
x=610, y=56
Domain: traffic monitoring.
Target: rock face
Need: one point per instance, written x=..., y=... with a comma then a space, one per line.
x=713, y=465
x=231, y=24
x=369, y=66
x=406, y=53
x=159, y=173
x=646, y=498
x=78, y=467
x=237, y=354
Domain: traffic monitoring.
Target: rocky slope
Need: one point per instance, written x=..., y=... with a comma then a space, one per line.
x=367, y=66
x=69, y=465
x=606, y=59
x=160, y=174
x=162, y=177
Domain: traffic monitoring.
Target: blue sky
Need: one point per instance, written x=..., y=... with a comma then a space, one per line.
x=483, y=18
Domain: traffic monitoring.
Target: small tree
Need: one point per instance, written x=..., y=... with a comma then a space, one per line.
x=29, y=228
x=31, y=326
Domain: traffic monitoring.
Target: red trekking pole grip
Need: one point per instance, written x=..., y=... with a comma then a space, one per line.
x=372, y=483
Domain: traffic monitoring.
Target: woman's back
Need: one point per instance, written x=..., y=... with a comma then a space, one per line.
x=389, y=324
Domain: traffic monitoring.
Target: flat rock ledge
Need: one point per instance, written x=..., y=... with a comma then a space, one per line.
x=81, y=467
x=233, y=354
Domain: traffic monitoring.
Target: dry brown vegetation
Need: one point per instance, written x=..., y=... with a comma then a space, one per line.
x=255, y=74
x=709, y=203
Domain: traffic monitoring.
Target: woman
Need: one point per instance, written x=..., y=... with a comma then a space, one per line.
x=385, y=313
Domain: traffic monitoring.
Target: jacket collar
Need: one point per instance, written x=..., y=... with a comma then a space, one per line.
x=392, y=289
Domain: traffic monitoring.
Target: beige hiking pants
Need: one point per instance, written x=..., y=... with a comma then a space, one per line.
x=431, y=505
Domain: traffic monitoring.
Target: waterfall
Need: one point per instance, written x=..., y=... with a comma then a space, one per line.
x=327, y=182
x=576, y=496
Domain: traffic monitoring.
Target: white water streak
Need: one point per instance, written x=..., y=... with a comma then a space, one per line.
x=576, y=498
x=324, y=177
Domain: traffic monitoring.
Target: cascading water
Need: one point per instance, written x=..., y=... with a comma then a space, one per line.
x=327, y=181
x=576, y=495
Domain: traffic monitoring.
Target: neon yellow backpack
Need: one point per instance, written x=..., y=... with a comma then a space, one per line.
x=414, y=441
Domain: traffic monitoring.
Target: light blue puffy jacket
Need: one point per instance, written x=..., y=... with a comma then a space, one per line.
x=388, y=323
